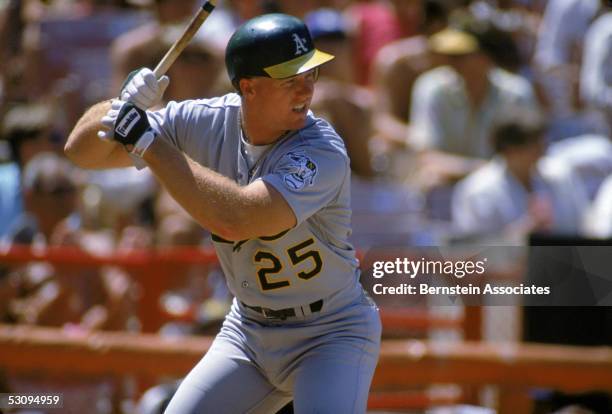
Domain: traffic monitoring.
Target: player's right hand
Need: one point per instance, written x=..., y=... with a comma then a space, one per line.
x=142, y=88
x=108, y=121
x=124, y=123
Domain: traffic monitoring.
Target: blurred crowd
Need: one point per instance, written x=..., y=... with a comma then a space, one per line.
x=465, y=121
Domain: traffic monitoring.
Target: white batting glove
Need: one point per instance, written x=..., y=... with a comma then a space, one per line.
x=108, y=121
x=143, y=89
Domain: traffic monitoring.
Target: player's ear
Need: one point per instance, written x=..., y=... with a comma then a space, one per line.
x=246, y=87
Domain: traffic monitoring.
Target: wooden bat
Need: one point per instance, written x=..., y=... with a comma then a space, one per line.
x=179, y=45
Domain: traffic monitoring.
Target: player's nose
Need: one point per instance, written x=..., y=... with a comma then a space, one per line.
x=305, y=86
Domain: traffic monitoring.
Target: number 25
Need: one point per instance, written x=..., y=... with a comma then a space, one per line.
x=297, y=256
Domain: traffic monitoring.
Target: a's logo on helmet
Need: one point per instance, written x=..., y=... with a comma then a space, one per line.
x=300, y=44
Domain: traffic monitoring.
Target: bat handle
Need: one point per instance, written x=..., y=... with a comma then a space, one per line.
x=175, y=50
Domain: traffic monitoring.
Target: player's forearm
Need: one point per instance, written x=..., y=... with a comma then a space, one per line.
x=86, y=150
x=214, y=201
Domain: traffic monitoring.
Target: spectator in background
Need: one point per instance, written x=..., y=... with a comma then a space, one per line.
x=144, y=46
x=396, y=67
x=498, y=44
x=132, y=49
x=299, y=8
x=515, y=17
x=559, y=45
x=455, y=108
x=28, y=130
x=589, y=157
x=76, y=299
x=62, y=54
x=117, y=210
x=50, y=199
x=199, y=71
x=58, y=295
x=11, y=27
x=596, y=72
x=598, y=222
x=243, y=10
x=11, y=202
x=557, y=60
x=517, y=192
x=346, y=105
x=378, y=23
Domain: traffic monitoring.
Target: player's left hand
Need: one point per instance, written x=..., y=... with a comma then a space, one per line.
x=125, y=123
x=130, y=125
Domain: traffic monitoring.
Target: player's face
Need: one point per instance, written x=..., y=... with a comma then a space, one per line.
x=285, y=102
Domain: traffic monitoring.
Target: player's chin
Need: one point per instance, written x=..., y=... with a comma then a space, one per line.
x=298, y=118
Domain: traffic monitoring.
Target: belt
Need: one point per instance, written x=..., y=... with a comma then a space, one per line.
x=283, y=314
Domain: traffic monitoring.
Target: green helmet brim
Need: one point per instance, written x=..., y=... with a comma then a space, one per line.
x=298, y=65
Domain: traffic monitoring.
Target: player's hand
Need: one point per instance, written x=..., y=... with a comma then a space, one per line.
x=130, y=125
x=126, y=123
x=108, y=121
x=143, y=89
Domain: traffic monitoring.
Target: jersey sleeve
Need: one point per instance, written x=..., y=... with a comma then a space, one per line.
x=172, y=122
x=309, y=179
x=190, y=126
x=166, y=122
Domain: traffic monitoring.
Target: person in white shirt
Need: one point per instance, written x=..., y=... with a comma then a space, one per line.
x=589, y=157
x=562, y=31
x=561, y=50
x=598, y=223
x=455, y=108
x=596, y=74
x=518, y=191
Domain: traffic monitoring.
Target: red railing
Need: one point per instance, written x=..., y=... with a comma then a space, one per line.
x=403, y=364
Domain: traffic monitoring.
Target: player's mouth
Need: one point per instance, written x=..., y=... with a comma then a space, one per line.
x=299, y=109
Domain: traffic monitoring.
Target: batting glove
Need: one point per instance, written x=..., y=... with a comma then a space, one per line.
x=143, y=89
x=129, y=126
x=108, y=120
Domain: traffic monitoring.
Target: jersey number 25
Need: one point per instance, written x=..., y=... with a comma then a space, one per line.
x=298, y=255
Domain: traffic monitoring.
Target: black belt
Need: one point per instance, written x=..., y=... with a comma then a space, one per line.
x=283, y=313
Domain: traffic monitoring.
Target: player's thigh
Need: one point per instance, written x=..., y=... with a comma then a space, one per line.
x=220, y=383
x=335, y=379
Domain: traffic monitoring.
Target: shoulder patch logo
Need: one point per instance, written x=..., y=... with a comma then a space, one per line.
x=300, y=44
x=299, y=170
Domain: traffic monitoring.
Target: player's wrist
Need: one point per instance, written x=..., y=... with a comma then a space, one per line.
x=130, y=125
x=143, y=143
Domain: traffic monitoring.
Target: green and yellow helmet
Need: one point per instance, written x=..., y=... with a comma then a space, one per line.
x=272, y=45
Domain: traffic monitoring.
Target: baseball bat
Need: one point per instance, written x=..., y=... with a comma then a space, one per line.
x=179, y=45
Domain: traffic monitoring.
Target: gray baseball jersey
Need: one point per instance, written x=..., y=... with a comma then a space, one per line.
x=323, y=354
x=310, y=168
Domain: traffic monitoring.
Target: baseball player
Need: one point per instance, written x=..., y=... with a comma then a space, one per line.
x=271, y=183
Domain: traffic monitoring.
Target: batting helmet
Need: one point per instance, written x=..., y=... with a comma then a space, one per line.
x=272, y=45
